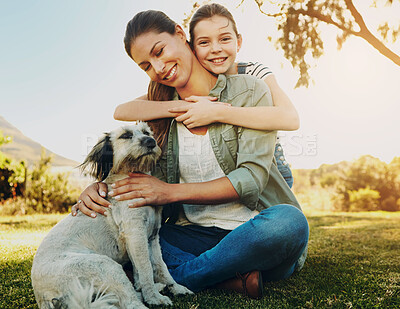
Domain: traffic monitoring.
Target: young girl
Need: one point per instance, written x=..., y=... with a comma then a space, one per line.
x=215, y=41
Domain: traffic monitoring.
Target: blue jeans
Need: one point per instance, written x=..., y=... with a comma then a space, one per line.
x=271, y=242
x=282, y=164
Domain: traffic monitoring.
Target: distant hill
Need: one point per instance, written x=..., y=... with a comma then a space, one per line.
x=24, y=148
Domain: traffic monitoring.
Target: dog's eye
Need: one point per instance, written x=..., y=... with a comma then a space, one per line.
x=126, y=135
x=146, y=133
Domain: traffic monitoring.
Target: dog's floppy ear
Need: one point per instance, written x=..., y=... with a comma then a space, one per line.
x=100, y=159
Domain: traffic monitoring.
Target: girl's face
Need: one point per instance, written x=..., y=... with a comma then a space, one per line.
x=216, y=44
x=166, y=58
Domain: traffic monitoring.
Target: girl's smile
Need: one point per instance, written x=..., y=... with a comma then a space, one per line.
x=216, y=44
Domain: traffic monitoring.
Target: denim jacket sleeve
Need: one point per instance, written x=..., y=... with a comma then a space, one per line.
x=254, y=153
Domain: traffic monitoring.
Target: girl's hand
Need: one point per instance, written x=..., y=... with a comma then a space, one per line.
x=202, y=112
x=92, y=200
x=145, y=189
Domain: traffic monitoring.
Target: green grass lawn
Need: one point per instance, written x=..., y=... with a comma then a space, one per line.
x=353, y=262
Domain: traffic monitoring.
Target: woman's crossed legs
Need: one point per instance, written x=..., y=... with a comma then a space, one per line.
x=272, y=242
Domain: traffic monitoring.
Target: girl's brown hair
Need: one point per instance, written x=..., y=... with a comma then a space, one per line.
x=208, y=11
x=142, y=23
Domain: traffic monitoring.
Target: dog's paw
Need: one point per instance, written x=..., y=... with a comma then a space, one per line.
x=158, y=299
x=159, y=286
x=178, y=289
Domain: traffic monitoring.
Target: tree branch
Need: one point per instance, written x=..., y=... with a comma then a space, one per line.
x=369, y=37
x=356, y=14
x=325, y=19
x=363, y=33
x=259, y=4
x=241, y=2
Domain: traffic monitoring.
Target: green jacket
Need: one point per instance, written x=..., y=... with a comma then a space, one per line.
x=246, y=156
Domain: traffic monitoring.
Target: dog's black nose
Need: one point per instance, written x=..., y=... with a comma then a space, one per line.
x=148, y=142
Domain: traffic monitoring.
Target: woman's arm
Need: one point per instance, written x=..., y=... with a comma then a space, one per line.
x=142, y=109
x=148, y=190
x=281, y=116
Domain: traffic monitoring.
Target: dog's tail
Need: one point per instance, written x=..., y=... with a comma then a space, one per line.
x=86, y=296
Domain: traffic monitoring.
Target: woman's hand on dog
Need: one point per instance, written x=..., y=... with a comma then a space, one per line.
x=143, y=189
x=92, y=200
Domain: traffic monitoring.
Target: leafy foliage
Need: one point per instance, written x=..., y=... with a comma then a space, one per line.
x=38, y=190
x=364, y=199
x=12, y=173
x=49, y=192
x=4, y=139
x=365, y=184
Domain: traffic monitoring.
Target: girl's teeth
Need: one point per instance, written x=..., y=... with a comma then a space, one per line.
x=218, y=60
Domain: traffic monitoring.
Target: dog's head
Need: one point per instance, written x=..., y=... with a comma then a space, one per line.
x=124, y=150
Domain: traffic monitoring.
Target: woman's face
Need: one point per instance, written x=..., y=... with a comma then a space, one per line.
x=166, y=58
x=216, y=44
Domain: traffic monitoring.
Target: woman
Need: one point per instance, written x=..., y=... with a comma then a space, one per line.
x=230, y=210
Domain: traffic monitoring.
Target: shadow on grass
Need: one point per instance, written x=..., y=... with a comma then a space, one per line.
x=335, y=220
x=15, y=223
x=32, y=223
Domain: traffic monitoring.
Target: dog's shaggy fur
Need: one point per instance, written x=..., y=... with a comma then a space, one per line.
x=79, y=263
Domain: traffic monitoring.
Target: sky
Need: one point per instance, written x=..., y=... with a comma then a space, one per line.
x=63, y=70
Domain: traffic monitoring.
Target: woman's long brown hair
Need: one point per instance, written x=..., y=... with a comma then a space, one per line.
x=160, y=127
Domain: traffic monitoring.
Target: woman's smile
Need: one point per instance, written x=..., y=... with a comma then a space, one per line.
x=171, y=73
x=164, y=57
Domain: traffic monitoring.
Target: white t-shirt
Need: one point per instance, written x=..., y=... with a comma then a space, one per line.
x=197, y=163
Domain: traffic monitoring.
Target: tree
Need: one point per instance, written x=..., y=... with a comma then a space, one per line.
x=369, y=178
x=12, y=173
x=48, y=192
x=4, y=139
x=364, y=200
x=299, y=24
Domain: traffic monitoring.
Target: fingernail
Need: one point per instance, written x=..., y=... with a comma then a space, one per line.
x=130, y=204
x=111, y=193
x=102, y=193
x=74, y=214
x=117, y=197
x=93, y=215
x=113, y=185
